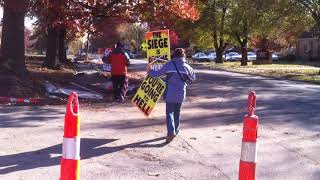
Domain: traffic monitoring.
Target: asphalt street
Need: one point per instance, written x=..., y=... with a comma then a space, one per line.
x=118, y=142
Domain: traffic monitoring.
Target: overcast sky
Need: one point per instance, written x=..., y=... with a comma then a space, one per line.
x=28, y=22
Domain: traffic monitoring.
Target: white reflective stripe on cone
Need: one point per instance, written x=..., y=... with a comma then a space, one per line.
x=249, y=152
x=71, y=148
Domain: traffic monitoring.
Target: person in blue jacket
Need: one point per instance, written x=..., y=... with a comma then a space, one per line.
x=178, y=73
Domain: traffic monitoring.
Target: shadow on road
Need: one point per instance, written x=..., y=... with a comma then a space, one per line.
x=51, y=156
x=223, y=99
x=277, y=101
x=14, y=116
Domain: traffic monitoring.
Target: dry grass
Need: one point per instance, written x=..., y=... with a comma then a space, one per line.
x=302, y=71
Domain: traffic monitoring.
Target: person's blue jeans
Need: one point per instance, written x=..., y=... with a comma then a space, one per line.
x=173, y=117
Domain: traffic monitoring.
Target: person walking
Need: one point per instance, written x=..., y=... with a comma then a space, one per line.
x=178, y=73
x=119, y=62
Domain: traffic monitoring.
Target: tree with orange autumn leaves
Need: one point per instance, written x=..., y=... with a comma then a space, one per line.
x=62, y=18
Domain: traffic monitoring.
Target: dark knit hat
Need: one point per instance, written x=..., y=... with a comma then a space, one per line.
x=119, y=45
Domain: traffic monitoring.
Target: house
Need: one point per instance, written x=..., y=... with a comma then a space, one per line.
x=308, y=46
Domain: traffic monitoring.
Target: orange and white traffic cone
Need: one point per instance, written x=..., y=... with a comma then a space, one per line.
x=70, y=161
x=247, y=169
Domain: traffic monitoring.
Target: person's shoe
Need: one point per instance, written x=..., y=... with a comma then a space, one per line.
x=178, y=132
x=169, y=138
x=120, y=100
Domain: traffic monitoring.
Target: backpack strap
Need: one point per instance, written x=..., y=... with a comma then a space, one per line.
x=178, y=71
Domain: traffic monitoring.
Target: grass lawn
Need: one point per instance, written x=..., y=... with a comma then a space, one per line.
x=308, y=72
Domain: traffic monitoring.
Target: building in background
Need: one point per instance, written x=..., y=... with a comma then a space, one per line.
x=308, y=47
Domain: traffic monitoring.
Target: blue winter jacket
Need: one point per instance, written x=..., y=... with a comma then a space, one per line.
x=176, y=87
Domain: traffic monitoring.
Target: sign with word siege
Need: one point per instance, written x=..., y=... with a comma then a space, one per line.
x=149, y=94
x=158, y=46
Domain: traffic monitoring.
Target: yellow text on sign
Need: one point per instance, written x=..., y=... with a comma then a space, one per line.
x=148, y=94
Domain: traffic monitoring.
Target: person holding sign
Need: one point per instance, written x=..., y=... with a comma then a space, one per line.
x=119, y=62
x=178, y=73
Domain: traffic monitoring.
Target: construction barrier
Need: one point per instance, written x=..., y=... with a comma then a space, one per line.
x=70, y=161
x=19, y=100
x=247, y=168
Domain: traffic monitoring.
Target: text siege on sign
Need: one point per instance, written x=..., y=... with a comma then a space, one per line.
x=158, y=43
x=158, y=47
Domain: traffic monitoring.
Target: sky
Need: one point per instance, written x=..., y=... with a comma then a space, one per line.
x=28, y=22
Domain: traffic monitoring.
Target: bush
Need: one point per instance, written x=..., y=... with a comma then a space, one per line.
x=288, y=58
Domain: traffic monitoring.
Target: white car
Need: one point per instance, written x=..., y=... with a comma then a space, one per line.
x=232, y=56
x=212, y=56
x=252, y=56
x=200, y=57
x=275, y=57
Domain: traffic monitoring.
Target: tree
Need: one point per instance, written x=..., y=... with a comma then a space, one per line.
x=313, y=8
x=214, y=15
x=155, y=14
x=164, y=13
x=50, y=15
x=59, y=17
x=244, y=18
x=289, y=21
x=12, y=42
x=133, y=33
x=279, y=21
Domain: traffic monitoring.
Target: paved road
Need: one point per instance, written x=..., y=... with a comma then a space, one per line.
x=118, y=142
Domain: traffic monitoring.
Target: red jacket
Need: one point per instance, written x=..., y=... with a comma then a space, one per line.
x=119, y=62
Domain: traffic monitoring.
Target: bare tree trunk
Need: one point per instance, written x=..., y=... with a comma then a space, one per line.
x=219, y=58
x=218, y=41
x=51, y=60
x=219, y=54
x=244, y=45
x=244, y=60
x=218, y=49
x=62, y=45
x=12, y=42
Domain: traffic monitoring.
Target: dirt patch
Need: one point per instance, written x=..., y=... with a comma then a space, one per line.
x=136, y=78
x=32, y=86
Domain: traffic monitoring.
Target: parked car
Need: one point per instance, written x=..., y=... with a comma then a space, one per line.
x=200, y=57
x=232, y=56
x=129, y=53
x=275, y=57
x=212, y=56
x=252, y=56
x=194, y=55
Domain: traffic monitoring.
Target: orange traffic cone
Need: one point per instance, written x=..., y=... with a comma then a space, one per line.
x=70, y=161
x=247, y=168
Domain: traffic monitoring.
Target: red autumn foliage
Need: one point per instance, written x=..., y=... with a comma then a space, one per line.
x=80, y=14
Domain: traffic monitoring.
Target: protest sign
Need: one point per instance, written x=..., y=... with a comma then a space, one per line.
x=149, y=94
x=158, y=47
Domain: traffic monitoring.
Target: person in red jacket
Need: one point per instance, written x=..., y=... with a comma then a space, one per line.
x=119, y=62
